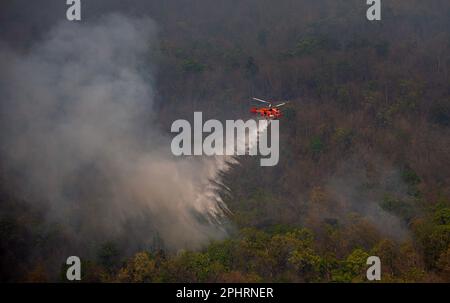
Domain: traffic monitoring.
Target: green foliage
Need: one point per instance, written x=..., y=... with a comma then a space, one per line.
x=109, y=256
x=310, y=45
x=437, y=241
x=284, y=253
x=256, y=208
x=442, y=216
x=306, y=46
x=440, y=113
x=193, y=266
x=306, y=263
x=353, y=268
x=389, y=80
x=221, y=252
x=193, y=66
x=316, y=145
x=443, y=263
x=397, y=206
x=343, y=97
x=343, y=136
x=141, y=268
x=434, y=235
x=410, y=177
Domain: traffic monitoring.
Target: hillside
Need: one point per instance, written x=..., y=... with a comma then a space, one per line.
x=365, y=146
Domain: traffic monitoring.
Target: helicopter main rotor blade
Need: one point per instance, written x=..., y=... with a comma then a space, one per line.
x=279, y=105
x=262, y=100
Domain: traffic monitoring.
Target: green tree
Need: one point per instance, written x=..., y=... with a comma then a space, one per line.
x=141, y=268
x=353, y=268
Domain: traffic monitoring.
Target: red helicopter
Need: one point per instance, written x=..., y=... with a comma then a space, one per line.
x=270, y=112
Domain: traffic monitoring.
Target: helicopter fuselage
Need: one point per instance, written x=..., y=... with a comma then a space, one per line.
x=267, y=112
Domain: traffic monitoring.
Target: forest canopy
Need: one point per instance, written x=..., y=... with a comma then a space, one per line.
x=364, y=165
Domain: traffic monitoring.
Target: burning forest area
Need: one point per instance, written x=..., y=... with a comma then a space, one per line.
x=225, y=142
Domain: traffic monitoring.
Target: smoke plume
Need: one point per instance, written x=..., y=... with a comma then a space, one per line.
x=359, y=187
x=81, y=136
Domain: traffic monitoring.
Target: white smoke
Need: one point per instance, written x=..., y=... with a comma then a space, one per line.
x=359, y=189
x=221, y=164
x=78, y=113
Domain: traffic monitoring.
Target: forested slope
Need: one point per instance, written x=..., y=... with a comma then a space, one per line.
x=365, y=145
